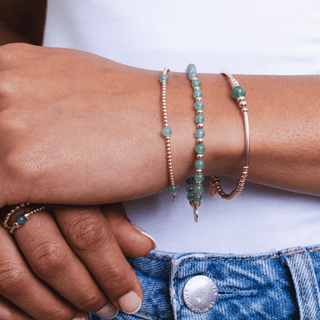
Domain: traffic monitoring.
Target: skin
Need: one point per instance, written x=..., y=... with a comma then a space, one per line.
x=91, y=128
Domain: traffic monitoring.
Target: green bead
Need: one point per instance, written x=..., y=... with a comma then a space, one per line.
x=199, y=164
x=197, y=94
x=21, y=220
x=197, y=198
x=199, y=177
x=199, y=118
x=173, y=189
x=166, y=131
x=199, y=105
x=196, y=83
x=198, y=189
x=238, y=91
x=200, y=133
x=190, y=67
x=193, y=74
x=189, y=187
x=190, y=195
x=163, y=77
x=200, y=148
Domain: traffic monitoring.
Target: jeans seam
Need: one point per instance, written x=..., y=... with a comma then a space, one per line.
x=304, y=300
x=314, y=294
x=149, y=315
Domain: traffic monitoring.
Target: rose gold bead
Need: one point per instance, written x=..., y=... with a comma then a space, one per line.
x=198, y=99
x=240, y=99
x=200, y=125
x=199, y=156
x=199, y=171
x=199, y=141
x=242, y=103
x=199, y=111
x=198, y=183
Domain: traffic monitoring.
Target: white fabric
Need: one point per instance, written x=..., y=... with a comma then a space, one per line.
x=249, y=37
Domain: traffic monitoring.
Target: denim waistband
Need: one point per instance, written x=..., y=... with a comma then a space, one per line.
x=275, y=285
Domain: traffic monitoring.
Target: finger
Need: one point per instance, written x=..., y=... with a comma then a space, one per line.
x=90, y=236
x=9, y=311
x=51, y=259
x=25, y=290
x=133, y=241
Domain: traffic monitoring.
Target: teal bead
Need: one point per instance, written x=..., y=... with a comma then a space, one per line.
x=238, y=91
x=189, y=187
x=199, y=118
x=166, y=131
x=198, y=189
x=200, y=133
x=199, y=164
x=197, y=198
x=199, y=105
x=190, y=67
x=196, y=83
x=163, y=77
x=200, y=148
x=21, y=220
x=197, y=94
x=193, y=74
x=173, y=189
x=190, y=195
x=199, y=177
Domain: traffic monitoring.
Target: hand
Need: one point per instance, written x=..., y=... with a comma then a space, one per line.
x=59, y=266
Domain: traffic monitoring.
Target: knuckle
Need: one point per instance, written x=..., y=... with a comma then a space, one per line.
x=57, y=313
x=12, y=278
x=116, y=279
x=48, y=258
x=90, y=302
x=86, y=233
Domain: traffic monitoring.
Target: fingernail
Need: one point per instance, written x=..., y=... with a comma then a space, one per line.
x=130, y=302
x=109, y=311
x=147, y=235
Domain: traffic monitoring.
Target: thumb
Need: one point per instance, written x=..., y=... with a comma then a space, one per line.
x=133, y=241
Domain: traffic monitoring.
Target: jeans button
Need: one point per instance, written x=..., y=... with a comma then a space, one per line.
x=200, y=294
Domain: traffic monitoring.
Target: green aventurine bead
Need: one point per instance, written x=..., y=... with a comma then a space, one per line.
x=190, y=195
x=200, y=148
x=193, y=74
x=163, y=77
x=199, y=118
x=190, y=67
x=199, y=105
x=173, y=189
x=200, y=133
x=198, y=189
x=197, y=198
x=189, y=187
x=199, y=177
x=197, y=94
x=199, y=164
x=21, y=219
x=196, y=83
x=166, y=131
x=238, y=91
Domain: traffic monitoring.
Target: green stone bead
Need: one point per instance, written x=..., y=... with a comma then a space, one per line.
x=21, y=220
x=196, y=83
x=190, y=67
x=199, y=177
x=198, y=189
x=189, y=187
x=199, y=118
x=173, y=189
x=200, y=133
x=238, y=91
x=199, y=164
x=163, y=77
x=199, y=105
x=193, y=74
x=166, y=131
x=197, y=198
x=200, y=148
x=190, y=195
x=197, y=94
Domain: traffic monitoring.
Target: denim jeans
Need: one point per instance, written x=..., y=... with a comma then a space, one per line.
x=274, y=285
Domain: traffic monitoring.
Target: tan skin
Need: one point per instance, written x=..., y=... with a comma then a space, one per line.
x=77, y=158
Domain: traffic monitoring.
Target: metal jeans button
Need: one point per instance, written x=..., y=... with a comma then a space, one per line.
x=200, y=294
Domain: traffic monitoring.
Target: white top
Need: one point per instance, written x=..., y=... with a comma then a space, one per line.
x=247, y=37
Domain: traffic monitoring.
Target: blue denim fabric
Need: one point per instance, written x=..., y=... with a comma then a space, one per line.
x=276, y=285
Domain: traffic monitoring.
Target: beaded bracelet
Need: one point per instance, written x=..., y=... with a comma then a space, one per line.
x=166, y=132
x=195, y=191
x=238, y=92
